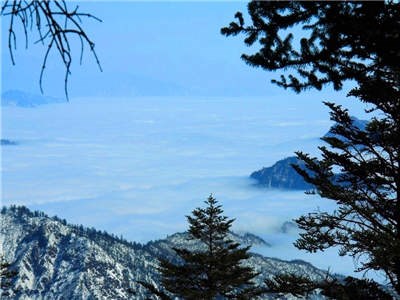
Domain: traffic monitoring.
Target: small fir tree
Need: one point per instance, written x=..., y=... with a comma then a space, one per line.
x=215, y=269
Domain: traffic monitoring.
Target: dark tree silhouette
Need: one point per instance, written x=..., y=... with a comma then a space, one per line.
x=290, y=283
x=7, y=274
x=215, y=270
x=56, y=25
x=349, y=288
x=358, y=41
x=334, y=45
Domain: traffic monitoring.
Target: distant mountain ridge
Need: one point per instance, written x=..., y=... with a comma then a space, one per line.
x=56, y=260
x=7, y=142
x=24, y=99
x=281, y=175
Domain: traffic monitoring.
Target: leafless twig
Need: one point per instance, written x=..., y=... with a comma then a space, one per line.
x=56, y=25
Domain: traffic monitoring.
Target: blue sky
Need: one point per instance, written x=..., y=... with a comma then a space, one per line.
x=147, y=48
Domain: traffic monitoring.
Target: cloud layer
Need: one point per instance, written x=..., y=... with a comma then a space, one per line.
x=137, y=166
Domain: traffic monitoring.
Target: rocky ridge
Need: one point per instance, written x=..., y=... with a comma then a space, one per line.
x=56, y=260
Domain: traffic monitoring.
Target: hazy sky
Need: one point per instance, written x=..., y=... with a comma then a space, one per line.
x=146, y=48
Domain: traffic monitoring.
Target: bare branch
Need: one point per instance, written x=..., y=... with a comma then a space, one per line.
x=56, y=26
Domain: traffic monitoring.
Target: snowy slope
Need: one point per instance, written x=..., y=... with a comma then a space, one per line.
x=56, y=260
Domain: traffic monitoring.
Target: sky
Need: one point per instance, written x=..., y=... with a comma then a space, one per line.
x=145, y=48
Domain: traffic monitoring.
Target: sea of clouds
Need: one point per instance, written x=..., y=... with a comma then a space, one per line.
x=135, y=167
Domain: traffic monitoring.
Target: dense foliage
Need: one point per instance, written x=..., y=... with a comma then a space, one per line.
x=7, y=275
x=359, y=167
x=334, y=45
x=349, y=288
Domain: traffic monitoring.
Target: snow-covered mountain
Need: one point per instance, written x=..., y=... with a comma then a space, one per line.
x=56, y=260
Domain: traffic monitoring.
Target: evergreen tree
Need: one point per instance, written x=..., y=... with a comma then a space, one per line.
x=215, y=269
x=7, y=275
x=341, y=41
x=290, y=283
x=349, y=288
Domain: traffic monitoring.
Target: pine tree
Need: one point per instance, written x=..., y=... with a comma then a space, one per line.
x=366, y=222
x=215, y=269
x=340, y=40
x=7, y=275
x=349, y=288
x=359, y=168
x=290, y=283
